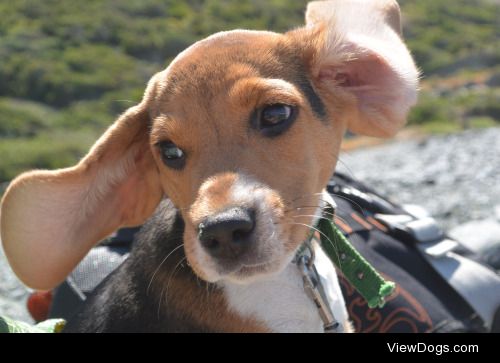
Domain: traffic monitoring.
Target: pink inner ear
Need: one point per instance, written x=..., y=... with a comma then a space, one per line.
x=363, y=74
x=339, y=76
x=381, y=93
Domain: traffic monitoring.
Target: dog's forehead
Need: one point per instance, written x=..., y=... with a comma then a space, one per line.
x=212, y=53
x=211, y=65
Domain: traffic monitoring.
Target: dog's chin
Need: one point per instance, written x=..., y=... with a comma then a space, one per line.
x=249, y=274
x=244, y=274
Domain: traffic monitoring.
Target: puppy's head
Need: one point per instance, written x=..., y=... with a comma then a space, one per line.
x=241, y=132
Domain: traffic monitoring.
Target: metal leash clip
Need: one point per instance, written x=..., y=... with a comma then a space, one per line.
x=314, y=289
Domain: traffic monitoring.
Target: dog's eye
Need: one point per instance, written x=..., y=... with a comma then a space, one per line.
x=275, y=119
x=172, y=155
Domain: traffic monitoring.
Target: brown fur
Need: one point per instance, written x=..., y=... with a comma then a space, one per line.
x=202, y=304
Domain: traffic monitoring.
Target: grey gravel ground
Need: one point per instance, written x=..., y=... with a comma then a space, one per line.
x=455, y=177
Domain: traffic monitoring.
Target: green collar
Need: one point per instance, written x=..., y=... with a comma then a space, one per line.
x=359, y=272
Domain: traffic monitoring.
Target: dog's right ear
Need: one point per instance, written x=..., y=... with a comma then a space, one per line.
x=49, y=220
x=359, y=55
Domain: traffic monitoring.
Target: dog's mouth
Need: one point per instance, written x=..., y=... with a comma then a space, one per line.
x=267, y=258
x=246, y=272
x=249, y=267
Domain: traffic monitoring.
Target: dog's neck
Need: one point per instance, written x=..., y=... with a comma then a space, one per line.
x=280, y=302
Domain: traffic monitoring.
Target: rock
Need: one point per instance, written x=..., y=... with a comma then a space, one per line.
x=455, y=177
x=13, y=294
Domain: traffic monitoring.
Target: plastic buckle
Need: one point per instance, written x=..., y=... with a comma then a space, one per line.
x=425, y=230
x=421, y=230
x=439, y=249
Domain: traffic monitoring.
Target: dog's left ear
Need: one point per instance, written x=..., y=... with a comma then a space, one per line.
x=50, y=219
x=359, y=53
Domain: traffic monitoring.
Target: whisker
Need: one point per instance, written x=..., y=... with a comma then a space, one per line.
x=311, y=215
x=303, y=196
x=351, y=236
x=362, y=210
x=172, y=274
x=159, y=266
x=306, y=207
x=320, y=217
x=317, y=230
x=345, y=166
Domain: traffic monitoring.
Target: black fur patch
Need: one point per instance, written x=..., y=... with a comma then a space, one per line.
x=125, y=301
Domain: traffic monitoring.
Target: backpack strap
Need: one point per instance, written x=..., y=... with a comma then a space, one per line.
x=474, y=282
x=477, y=284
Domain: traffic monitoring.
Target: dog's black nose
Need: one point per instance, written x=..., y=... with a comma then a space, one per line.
x=226, y=235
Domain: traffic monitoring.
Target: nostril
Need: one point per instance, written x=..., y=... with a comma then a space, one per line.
x=227, y=232
x=239, y=236
x=210, y=243
x=207, y=238
x=244, y=229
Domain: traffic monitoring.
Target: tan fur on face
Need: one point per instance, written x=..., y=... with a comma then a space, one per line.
x=220, y=143
x=338, y=74
x=270, y=240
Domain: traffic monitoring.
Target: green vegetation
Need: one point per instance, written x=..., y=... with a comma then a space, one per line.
x=68, y=68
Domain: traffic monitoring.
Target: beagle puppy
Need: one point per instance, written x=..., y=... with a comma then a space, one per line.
x=241, y=132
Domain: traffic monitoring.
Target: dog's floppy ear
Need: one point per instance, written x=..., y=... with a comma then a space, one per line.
x=360, y=52
x=50, y=219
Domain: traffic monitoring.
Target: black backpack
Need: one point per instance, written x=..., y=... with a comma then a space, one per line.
x=390, y=238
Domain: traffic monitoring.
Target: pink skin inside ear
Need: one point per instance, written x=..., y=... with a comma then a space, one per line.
x=368, y=73
x=379, y=90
